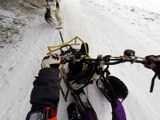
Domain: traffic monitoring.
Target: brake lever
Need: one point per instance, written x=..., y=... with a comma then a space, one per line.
x=152, y=83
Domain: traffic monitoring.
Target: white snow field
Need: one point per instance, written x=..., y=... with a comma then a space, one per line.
x=109, y=27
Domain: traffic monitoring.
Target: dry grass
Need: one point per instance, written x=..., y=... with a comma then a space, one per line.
x=23, y=5
x=12, y=26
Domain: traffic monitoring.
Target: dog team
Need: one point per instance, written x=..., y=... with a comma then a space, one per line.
x=53, y=15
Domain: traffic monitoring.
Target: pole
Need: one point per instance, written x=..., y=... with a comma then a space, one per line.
x=60, y=33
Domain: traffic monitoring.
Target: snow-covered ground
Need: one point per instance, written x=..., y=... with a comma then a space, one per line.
x=109, y=27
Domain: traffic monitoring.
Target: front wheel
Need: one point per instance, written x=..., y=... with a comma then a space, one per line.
x=112, y=87
x=119, y=87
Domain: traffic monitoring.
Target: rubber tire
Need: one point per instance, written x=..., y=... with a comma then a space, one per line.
x=119, y=87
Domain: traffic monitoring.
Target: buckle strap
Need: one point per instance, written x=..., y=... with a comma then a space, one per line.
x=50, y=112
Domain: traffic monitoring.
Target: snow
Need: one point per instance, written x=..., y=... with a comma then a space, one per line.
x=109, y=27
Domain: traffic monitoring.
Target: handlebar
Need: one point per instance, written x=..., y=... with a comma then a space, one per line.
x=128, y=56
x=108, y=60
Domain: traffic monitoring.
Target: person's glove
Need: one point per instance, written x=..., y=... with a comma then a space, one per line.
x=51, y=61
x=152, y=61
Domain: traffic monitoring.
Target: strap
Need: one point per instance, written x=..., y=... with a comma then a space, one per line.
x=50, y=113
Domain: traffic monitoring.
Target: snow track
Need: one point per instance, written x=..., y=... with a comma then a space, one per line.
x=19, y=66
x=109, y=33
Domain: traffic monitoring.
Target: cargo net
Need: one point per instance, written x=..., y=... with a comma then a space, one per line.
x=74, y=43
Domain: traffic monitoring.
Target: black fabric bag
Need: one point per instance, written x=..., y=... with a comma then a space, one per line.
x=73, y=112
